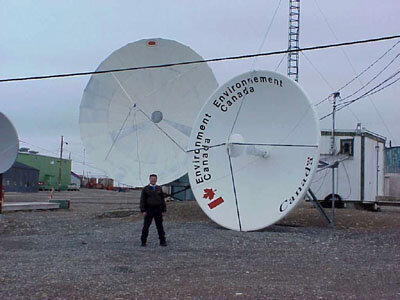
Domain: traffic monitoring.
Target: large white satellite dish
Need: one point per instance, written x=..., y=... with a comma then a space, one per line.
x=253, y=150
x=135, y=123
x=8, y=144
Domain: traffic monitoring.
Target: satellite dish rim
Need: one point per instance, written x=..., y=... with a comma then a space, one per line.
x=314, y=136
x=9, y=151
x=152, y=117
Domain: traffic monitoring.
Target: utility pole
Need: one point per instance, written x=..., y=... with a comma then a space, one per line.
x=59, y=168
x=333, y=152
x=1, y=194
x=83, y=171
x=84, y=158
x=377, y=168
x=333, y=148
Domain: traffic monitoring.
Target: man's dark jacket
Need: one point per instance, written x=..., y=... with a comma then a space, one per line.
x=152, y=199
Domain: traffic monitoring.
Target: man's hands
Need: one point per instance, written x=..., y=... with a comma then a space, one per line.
x=145, y=213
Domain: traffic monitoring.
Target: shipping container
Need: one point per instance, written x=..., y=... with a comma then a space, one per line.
x=360, y=173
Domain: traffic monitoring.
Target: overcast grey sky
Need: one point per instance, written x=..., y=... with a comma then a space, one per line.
x=48, y=37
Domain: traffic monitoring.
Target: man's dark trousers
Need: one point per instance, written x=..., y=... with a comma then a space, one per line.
x=156, y=213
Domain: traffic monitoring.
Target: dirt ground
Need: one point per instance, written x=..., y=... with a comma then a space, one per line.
x=92, y=251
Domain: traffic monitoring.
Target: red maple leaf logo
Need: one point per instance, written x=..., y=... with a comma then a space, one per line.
x=208, y=193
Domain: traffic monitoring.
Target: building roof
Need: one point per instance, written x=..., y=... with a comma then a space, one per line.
x=76, y=175
x=352, y=132
x=41, y=155
x=18, y=165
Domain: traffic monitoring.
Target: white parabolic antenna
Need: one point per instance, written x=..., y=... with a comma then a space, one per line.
x=135, y=123
x=8, y=144
x=253, y=150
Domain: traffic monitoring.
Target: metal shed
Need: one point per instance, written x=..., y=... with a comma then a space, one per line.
x=21, y=178
x=360, y=172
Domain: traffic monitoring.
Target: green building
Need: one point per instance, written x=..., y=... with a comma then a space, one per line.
x=48, y=169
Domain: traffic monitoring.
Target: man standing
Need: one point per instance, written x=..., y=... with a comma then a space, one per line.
x=152, y=205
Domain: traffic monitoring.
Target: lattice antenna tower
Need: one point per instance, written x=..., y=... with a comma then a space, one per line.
x=294, y=29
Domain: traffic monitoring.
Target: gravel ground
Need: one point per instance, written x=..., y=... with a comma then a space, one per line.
x=92, y=251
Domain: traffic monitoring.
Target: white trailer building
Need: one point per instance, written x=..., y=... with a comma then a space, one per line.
x=360, y=173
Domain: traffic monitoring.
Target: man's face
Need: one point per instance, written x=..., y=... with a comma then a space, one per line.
x=153, y=180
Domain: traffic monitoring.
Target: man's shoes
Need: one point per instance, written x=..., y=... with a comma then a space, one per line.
x=163, y=244
x=143, y=244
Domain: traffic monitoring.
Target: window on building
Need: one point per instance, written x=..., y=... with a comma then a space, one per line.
x=346, y=146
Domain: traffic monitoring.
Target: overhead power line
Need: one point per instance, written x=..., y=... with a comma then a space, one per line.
x=328, y=84
x=319, y=73
x=357, y=77
x=227, y=58
x=361, y=73
x=280, y=62
x=267, y=32
x=371, y=91
x=372, y=79
x=87, y=163
x=370, y=66
x=384, y=87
